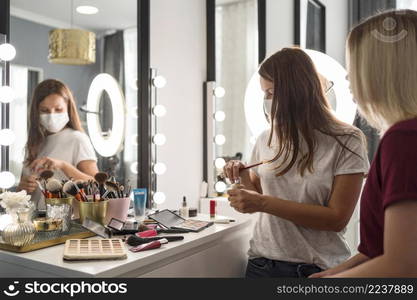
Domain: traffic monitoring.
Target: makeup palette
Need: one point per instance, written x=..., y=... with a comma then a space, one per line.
x=95, y=249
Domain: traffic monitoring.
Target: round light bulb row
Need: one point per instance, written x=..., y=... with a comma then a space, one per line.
x=7, y=95
x=219, y=139
x=159, y=139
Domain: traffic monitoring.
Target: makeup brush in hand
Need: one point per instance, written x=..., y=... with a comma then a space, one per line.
x=46, y=174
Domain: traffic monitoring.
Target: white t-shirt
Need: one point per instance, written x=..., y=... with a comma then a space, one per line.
x=279, y=239
x=69, y=145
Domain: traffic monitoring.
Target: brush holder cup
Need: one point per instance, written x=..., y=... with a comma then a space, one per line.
x=95, y=211
x=118, y=209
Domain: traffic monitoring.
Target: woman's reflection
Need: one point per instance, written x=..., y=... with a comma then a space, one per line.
x=56, y=140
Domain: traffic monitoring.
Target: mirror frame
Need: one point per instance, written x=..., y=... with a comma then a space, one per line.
x=211, y=78
x=144, y=105
x=5, y=107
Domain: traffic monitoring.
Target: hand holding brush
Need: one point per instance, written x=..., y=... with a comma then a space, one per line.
x=234, y=169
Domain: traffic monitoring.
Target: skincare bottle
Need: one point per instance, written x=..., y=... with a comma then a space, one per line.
x=184, y=208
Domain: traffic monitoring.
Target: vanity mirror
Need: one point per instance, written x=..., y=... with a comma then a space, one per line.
x=235, y=46
x=103, y=37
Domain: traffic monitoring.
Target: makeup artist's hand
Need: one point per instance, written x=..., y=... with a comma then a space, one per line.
x=27, y=183
x=233, y=170
x=245, y=201
x=46, y=163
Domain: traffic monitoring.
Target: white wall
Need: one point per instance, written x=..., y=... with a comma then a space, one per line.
x=280, y=26
x=178, y=51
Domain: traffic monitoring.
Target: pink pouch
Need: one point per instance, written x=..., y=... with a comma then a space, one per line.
x=118, y=208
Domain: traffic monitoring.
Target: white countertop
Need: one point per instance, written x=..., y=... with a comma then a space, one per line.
x=50, y=260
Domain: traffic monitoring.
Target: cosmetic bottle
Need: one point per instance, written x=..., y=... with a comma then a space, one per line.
x=184, y=208
x=212, y=209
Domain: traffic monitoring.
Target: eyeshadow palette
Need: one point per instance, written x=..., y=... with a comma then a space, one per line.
x=95, y=249
x=168, y=219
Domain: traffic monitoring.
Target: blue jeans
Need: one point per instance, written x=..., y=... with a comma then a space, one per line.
x=266, y=268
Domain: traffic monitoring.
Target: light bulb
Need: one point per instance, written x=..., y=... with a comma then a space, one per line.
x=159, y=139
x=159, y=110
x=219, y=92
x=7, y=52
x=159, y=168
x=220, y=116
x=219, y=163
x=159, y=197
x=7, y=94
x=134, y=168
x=159, y=81
x=7, y=180
x=220, y=186
x=87, y=10
x=7, y=137
x=220, y=139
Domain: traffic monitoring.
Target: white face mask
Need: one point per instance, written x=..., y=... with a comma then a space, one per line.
x=268, y=107
x=54, y=123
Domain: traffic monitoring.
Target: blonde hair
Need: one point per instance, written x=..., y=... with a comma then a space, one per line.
x=382, y=63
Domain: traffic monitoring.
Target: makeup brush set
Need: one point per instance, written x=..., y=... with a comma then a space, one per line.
x=99, y=189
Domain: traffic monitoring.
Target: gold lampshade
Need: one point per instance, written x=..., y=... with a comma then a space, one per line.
x=72, y=47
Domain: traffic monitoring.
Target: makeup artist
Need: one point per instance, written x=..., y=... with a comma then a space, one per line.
x=56, y=140
x=308, y=190
x=383, y=72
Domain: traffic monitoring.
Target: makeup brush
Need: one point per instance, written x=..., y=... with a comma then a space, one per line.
x=81, y=185
x=101, y=178
x=113, y=188
x=46, y=174
x=255, y=165
x=128, y=188
x=121, y=189
x=72, y=189
x=69, y=188
x=134, y=240
x=42, y=188
x=54, y=186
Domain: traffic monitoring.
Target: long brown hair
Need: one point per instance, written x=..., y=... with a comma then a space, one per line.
x=37, y=134
x=299, y=109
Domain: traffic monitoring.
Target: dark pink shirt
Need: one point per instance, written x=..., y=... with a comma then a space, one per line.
x=392, y=178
